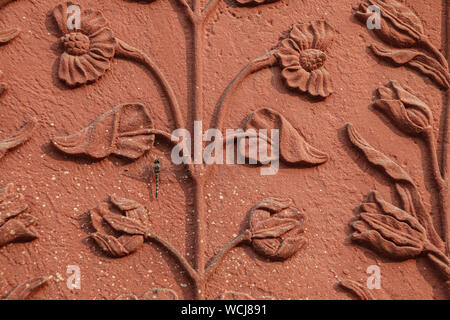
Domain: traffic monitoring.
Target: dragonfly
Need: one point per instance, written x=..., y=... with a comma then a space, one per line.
x=156, y=169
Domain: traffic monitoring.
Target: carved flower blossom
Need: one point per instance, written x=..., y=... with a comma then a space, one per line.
x=277, y=227
x=88, y=51
x=108, y=223
x=389, y=229
x=302, y=55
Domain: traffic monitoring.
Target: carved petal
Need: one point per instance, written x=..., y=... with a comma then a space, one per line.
x=17, y=138
x=133, y=210
x=18, y=230
x=294, y=150
x=319, y=83
x=125, y=224
x=117, y=247
x=23, y=290
x=8, y=34
x=273, y=227
x=122, y=131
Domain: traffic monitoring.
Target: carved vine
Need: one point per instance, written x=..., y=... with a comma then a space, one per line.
x=405, y=232
x=275, y=229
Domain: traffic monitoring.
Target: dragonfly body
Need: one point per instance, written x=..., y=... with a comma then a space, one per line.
x=156, y=170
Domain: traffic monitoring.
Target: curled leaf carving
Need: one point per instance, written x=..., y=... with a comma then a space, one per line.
x=26, y=288
x=418, y=60
x=123, y=131
x=16, y=224
x=88, y=51
x=302, y=56
x=18, y=138
x=277, y=227
x=294, y=150
x=357, y=289
x=8, y=35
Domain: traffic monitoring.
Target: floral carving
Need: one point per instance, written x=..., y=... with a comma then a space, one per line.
x=25, y=289
x=16, y=224
x=277, y=228
x=408, y=112
x=402, y=28
x=122, y=226
x=129, y=134
x=399, y=233
x=18, y=138
x=302, y=56
x=88, y=51
x=294, y=150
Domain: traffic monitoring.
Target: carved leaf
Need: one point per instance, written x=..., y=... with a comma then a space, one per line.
x=17, y=138
x=294, y=150
x=424, y=63
x=8, y=34
x=23, y=290
x=124, y=131
x=411, y=198
x=356, y=288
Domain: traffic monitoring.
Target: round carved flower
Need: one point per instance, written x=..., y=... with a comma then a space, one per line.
x=88, y=50
x=302, y=55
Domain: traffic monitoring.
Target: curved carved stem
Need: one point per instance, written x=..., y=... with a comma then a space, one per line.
x=439, y=259
x=431, y=144
x=258, y=64
x=210, y=7
x=125, y=50
x=215, y=261
x=427, y=45
x=188, y=9
x=183, y=262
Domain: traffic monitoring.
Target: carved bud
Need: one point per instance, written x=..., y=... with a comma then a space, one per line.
x=277, y=227
x=399, y=25
x=408, y=112
x=133, y=226
x=388, y=229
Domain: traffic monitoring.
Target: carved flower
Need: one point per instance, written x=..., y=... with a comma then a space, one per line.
x=407, y=111
x=399, y=27
x=302, y=56
x=276, y=227
x=389, y=229
x=15, y=221
x=132, y=226
x=88, y=51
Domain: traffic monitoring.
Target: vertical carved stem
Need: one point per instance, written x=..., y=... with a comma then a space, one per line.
x=444, y=194
x=200, y=234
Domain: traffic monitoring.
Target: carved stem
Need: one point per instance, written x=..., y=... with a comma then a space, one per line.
x=215, y=261
x=210, y=7
x=125, y=50
x=431, y=144
x=439, y=259
x=445, y=193
x=258, y=64
x=427, y=45
x=182, y=260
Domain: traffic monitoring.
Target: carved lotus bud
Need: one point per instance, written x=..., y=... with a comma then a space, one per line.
x=132, y=223
x=277, y=228
x=408, y=112
x=400, y=26
x=388, y=229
